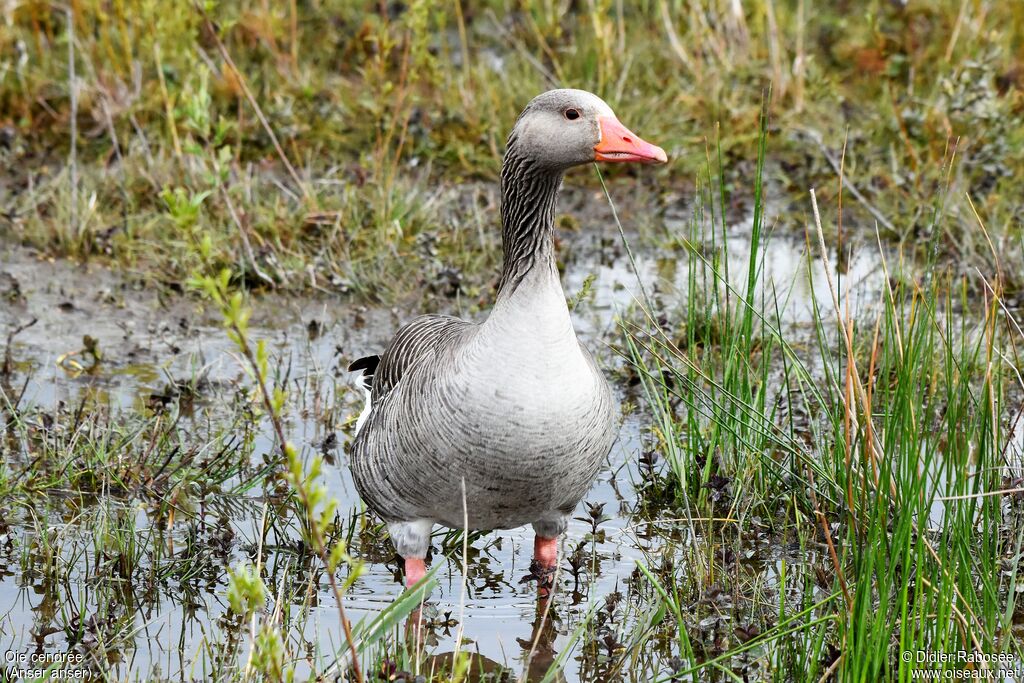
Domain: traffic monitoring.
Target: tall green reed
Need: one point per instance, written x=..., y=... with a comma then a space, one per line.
x=883, y=436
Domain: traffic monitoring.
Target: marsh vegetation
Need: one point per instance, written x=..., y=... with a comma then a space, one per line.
x=207, y=211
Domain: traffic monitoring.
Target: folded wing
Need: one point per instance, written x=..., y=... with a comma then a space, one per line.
x=421, y=337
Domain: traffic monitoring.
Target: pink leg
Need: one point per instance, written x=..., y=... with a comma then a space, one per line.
x=415, y=569
x=545, y=551
x=545, y=562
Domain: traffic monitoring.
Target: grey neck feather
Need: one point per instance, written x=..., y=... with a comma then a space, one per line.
x=528, y=193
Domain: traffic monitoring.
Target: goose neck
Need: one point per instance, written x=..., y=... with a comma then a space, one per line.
x=528, y=194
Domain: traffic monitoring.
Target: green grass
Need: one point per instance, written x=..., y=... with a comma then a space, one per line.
x=882, y=442
x=334, y=147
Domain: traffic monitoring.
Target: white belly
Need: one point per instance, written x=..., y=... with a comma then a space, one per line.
x=533, y=423
x=516, y=421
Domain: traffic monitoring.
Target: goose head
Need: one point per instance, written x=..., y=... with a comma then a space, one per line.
x=563, y=128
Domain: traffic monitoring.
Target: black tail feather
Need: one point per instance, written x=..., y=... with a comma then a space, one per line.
x=368, y=364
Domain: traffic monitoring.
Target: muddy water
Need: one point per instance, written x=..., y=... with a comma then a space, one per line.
x=145, y=342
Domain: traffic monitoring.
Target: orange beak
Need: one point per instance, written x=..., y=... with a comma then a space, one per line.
x=618, y=144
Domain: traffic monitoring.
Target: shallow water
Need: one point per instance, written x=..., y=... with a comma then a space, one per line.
x=145, y=343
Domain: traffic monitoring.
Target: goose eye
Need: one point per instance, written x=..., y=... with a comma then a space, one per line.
x=572, y=114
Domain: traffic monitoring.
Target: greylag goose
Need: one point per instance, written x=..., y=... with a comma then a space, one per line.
x=503, y=423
